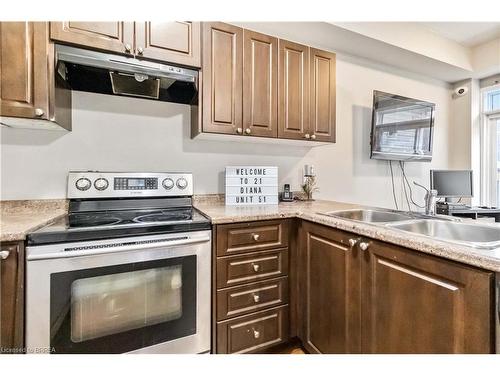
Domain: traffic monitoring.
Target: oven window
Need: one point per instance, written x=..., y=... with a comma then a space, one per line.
x=123, y=308
x=105, y=305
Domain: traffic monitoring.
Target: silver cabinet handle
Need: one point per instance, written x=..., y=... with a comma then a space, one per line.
x=39, y=112
x=128, y=47
x=4, y=254
x=313, y=136
x=256, y=267
x=307, y=136
x=239, y=130
x=352, y=242
x=255, y=236
x=140, y=50
x=256, y=334
x=248, y=130
x=256, y=298
x=364, y=246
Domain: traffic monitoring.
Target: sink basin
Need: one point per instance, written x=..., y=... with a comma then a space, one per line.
x=371, y=216
x=474, y=235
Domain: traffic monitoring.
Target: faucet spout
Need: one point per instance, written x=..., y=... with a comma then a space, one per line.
x=430, y=199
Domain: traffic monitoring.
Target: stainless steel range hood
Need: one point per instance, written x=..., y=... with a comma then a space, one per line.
x=104, y=73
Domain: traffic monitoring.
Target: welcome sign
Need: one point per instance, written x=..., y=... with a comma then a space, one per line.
x=246, y=186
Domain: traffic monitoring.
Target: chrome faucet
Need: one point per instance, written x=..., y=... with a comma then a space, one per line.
x=430, y=200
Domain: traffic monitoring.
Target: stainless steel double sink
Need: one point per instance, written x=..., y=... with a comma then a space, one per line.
x=484, y=237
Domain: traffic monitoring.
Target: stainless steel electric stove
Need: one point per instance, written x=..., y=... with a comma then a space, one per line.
x=126, y=270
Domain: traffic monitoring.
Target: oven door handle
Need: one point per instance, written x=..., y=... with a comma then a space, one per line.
x=119, y=249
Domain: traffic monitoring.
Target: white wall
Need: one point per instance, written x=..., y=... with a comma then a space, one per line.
x=115, y=133
x=345, y=170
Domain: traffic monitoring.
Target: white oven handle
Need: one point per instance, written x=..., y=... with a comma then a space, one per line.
x=119, y=248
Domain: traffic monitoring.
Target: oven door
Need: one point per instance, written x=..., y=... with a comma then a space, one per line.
x=142, y=294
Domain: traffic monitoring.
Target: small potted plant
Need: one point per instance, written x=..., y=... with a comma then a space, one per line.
x=309, y=186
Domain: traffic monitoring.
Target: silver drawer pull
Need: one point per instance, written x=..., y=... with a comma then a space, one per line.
x=256, y=267
x=256, y=334
x=255, y=236
x=256, y=298
x=352, y=242
x=4, y=254
x=364, y=246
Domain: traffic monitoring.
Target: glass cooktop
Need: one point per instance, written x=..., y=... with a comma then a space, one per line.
x=111, y=224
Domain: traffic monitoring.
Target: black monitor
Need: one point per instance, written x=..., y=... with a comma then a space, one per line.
x=452, y=183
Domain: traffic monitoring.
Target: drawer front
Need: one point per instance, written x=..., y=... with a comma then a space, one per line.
x=249, y=298
x=253, y=267
x=250, y=237
x=253, y=332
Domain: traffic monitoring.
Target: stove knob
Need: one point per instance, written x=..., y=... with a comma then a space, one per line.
x=101, y=184
x=168, y=183
x=83, y=184
x=182, y=183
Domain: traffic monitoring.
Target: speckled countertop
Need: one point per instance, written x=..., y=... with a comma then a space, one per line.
x=312, y=211
x=18, y=218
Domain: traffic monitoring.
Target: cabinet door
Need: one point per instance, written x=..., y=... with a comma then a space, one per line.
x=293, y=86
x=222, y=78
x=175, y=42
x=11, y=295
x=330, y=293
x=322, y=125
x=415, y=303
x=24, y=69
x=107, y=36
x=260, y=84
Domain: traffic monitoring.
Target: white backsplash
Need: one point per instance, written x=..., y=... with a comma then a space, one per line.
x=125, y=134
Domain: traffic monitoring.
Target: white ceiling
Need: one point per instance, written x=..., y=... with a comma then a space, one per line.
x=468, y=34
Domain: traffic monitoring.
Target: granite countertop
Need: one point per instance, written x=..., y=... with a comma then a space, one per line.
x=313, y=211
x=18, y=218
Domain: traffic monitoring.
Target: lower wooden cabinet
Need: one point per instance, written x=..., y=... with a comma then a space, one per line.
x=388, y=299
x=254, y=332
x=329, y=290
x=11, y=297
x=414, y=303
x=251, y=294
x=252, y=297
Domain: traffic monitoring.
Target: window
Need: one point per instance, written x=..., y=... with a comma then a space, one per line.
x=490, y=148
x=498, y=160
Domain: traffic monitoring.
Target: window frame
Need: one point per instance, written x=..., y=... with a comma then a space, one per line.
x=488, y=148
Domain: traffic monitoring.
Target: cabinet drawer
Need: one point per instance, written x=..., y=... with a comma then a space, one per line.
x=249, y=298
x=240, y=269
x=253, y=332
x=249, y=237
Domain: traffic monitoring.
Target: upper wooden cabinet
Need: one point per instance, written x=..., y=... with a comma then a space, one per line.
x=29, y=87
x=323, y=95
x=293, y=109
x=108, y=36
x=257, y=85
x=175, y=42
x=222, y=70
x=388, y=299
x=260, y=84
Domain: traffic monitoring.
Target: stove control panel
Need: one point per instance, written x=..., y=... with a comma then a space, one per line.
x=122, y=184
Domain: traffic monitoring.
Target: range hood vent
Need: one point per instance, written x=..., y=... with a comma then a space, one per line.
x=104, y=73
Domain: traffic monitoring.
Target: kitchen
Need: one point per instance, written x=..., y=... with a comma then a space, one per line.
x=248, y=203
